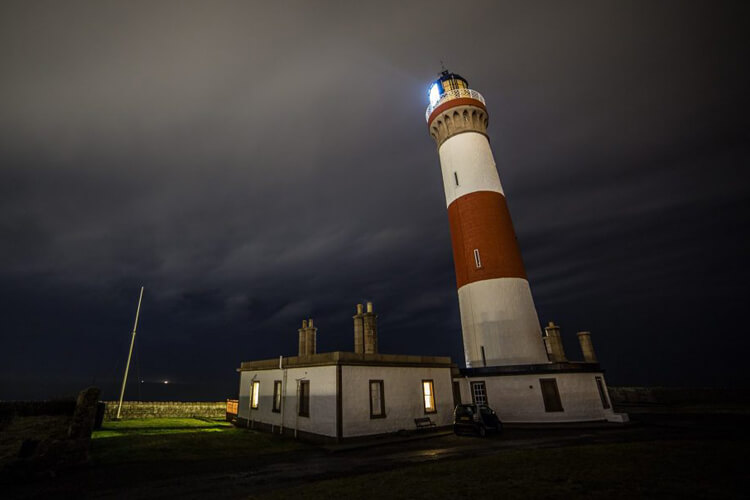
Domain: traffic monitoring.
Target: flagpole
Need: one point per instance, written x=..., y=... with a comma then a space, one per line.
x=127, y=366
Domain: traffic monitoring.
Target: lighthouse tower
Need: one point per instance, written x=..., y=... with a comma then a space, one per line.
x=498, y=318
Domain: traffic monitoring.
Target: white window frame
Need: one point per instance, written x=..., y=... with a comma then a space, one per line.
x=254, y=394
x=277, y=387
x=477, y=259
x=428, y=396
x=479, y=393
x=377, y=408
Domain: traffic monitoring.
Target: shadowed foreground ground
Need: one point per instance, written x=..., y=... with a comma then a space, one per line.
x=695, y=454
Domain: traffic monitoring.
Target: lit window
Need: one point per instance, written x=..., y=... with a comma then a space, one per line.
x=277, y=396
x=434, y=94
x=304, y=398
x=477, y=259
x=377, y=402
x=254, y=394
x=428, y=394
x=478, y=393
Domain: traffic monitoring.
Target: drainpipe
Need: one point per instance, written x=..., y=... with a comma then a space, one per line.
x=283, y=398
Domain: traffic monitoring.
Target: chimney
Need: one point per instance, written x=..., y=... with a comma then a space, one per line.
x=589, y=356
x=303, y=338
x=370, y=322
x=553, y=343
x=312, y=338
x=359, y=331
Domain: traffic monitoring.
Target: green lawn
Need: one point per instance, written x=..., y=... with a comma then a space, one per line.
x=180, y=439
x=656, y=469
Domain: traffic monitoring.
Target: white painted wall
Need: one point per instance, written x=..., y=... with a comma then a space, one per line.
x=402, y=389
x=322, y=419
x=518, y=398
x=402, y=395
x=500, y=315
x=468, y=155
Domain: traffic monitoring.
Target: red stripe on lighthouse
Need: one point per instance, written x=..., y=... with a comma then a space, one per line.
x=481, y=221
x=451, y=103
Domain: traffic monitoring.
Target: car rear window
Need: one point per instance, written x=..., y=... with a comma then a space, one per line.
x=464, y=410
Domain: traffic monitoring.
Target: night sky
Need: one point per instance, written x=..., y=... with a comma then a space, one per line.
x=257, y=163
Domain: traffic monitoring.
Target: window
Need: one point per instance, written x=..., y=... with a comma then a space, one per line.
x=455, y=176
x=602, y=393
x=550, y=394
x=277, y=396
x=377, y=401
x=428, y=395
x=304, y=398
x=254, y=394
x=456, y=393
x=477, y=260
x=478, y=393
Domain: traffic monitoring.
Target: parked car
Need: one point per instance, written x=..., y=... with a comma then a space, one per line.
x=476, y=419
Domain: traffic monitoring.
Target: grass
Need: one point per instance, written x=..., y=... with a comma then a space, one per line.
x=656, y=469
x=179, y=440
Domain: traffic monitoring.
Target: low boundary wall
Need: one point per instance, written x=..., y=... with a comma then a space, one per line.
x=677, y=395
x=166, y=409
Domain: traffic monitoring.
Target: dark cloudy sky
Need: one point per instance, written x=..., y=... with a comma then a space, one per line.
x=256, y=163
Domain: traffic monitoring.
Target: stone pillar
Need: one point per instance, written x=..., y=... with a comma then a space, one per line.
x=303, y=338
x=587, y=348
x=359, y=331
x=370, y=322
x=553, y=343
x=312, y=338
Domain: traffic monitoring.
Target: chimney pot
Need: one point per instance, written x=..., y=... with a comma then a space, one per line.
x=369, y=307
x=587, y=347
x=359, y=309
x=553, y=343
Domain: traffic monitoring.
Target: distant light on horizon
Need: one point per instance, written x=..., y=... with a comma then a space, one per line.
x=166, y=381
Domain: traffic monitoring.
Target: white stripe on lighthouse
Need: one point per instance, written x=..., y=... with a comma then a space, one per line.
x=467, y=157
x=499, y=315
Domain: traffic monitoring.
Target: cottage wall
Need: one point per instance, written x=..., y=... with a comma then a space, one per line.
x=322, y=419
x=402, y=391
x=518, y=398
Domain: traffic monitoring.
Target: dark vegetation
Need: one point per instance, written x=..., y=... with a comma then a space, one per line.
x=675, y=452
x=653, y=469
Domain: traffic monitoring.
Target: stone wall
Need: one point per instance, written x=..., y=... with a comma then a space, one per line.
x=677, y=395
x=166, y=409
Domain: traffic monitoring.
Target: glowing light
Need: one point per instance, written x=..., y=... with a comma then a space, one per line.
x=429, y=397
x=254, y=394
x=434, y=93
x=166, y=381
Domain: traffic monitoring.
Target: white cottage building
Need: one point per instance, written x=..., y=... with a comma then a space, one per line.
x=340, y=395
